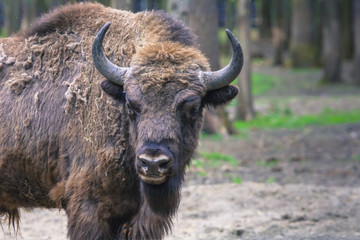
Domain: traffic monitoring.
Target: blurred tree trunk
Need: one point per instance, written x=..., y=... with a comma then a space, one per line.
x=29, y=13
x=285, y=24
x=244, y=108
x=356, y=29
x=265, y=24
x=122, y=4
x=347, y=28
x=180, y=10
x=42, y=6
x=302, y=48
x=331, y=42
x=56, y=3
x=13, y=16
x=203, y=19
x=278, y=34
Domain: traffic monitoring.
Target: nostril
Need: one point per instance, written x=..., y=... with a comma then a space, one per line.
x=144, y=164
x=163, y=165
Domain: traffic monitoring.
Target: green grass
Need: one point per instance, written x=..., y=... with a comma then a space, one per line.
x=305, y=70
x=272, y=162
x=215, y=158
x=237, y=180
x=288, y=120
x=270, y=180
x=212, y=160
x=234, y=179
x=197, y=163
x=357, y=158
x=3, y=33
x=262, y=83
x=214, y=137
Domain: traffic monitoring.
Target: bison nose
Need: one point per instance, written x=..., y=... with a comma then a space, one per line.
x=155, y=165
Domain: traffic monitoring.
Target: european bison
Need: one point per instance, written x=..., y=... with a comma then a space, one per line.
x=111, y=152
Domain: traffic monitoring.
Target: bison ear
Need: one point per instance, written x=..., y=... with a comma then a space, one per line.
x=116, y=91
x=220, y=96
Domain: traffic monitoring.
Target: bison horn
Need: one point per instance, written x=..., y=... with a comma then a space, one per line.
x=223, y=77
x=109, y=70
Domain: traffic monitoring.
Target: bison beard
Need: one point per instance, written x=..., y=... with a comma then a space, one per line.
x=159, y=204
x=111, y=152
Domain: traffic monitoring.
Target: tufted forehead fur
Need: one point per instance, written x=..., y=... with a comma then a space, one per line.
x=157, y=64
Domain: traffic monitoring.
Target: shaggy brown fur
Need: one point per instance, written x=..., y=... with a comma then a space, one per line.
x=66, y=144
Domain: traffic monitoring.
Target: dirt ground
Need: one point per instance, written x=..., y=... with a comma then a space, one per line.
x=285, y=183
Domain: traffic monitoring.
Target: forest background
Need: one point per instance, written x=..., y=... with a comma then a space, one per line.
x=282, y=161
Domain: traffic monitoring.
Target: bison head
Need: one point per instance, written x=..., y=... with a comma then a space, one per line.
x=165, y=90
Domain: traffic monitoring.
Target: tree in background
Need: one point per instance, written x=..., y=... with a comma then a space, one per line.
x=203, y=19
x=179, y=9
x=265, y=16
x=331, y=42
x=356, y=29
x=122, y=4
x=302, y=48
x=12, y=13
x=278, y=31
x=244, y=108
x=346, y=15
x=31, y=9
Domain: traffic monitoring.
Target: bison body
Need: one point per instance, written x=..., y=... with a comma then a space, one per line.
x=111, y=155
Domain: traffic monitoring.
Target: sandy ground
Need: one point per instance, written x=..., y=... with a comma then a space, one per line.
x=247, y=211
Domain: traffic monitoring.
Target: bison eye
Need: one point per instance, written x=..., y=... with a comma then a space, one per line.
x=190, y=107
x=191, y=111
x=132, y=108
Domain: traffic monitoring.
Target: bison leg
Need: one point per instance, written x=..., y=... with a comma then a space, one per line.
x=83, y=222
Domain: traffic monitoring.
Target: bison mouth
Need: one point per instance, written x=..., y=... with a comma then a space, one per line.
x=153, y=179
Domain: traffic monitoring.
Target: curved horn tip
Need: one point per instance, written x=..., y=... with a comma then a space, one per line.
x=223, y=77
x=228, y=32
x=104, y=28
x=231, y=37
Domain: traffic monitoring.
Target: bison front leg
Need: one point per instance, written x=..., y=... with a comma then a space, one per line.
x=84, y=221
x=94, y=210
